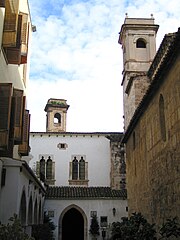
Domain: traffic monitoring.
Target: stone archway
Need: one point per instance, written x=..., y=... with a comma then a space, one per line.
x=73, y=224
x=22, y=210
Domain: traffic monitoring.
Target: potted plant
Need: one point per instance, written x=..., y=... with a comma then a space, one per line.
x=94, y=227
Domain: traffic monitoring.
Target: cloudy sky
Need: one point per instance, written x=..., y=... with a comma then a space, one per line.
x=75, y=56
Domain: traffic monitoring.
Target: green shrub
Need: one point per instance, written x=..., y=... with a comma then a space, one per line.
x=13, y=230
x=137, y=228
x=45, y=230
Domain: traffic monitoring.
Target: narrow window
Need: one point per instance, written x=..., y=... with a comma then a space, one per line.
x=162, y=119
x=57, y=118
x=49, y=168
x=42, y=169
x=140, y=43
x=75, y=169
x=82, y=169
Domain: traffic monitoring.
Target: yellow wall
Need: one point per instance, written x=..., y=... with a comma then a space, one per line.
x=153, y=178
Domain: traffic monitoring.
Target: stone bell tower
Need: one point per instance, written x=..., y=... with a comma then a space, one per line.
x=138, y=40
x=56, y=115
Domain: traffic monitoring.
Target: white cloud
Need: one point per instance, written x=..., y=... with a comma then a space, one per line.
x=76, y=56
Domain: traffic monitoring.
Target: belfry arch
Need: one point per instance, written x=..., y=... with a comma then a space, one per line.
x=72, y=224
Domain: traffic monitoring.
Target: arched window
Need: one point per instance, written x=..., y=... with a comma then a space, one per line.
x=75, y=169
x=81, y=169
x=57, y=118
x=49, y=168
x=162, y=119
x=140, y=43
x=42, y=169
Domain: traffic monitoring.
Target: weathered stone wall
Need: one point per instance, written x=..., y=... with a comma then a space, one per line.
x=118, y=166
x=153, y=172
x=133, y=98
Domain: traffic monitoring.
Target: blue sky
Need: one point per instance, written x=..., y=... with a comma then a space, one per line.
x=75, y=55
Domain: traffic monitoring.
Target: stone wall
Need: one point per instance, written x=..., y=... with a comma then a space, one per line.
x=137, y=89
x=153, y=177
x=118, y=164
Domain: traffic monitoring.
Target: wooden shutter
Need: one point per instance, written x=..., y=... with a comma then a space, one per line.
x=2, y=3
x=18, y=106
x=10, y=23
x=5, y=113
x=24, y=147
x=13, y=54
x=24, y=38
x=18, y=54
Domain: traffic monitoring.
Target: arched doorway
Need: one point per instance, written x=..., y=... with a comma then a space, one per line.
x=72, y=225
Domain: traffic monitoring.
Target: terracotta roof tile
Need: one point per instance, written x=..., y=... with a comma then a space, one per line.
x=65, y=192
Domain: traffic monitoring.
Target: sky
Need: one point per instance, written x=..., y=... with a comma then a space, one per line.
x=75, y=56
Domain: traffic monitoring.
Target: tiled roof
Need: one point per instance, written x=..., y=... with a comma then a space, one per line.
x=84, y=193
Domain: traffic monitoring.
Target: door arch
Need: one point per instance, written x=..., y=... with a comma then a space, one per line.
x=73, y=224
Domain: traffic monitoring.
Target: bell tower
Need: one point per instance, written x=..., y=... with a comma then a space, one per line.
x=56, y=115
x=138, y=40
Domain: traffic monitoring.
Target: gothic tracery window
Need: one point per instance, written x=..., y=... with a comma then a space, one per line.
x=45, y=169
x=78, y=171
x=75, y=169
x=49, y=168
x=82, y=169
x=42, y=169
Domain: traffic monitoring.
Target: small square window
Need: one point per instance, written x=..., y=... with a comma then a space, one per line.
x=93, y=213
x=62, y=145
x=104, y=222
